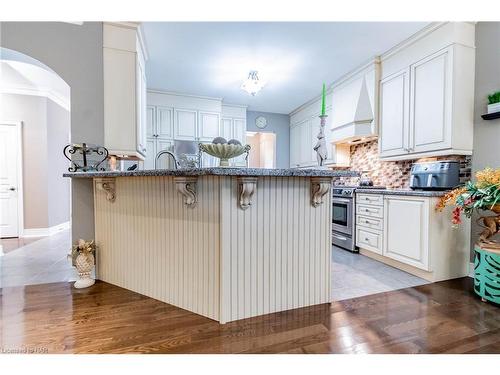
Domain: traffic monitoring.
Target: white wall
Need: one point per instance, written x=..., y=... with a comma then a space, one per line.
x=486, y=133
x=45, y=131
x=74, y=52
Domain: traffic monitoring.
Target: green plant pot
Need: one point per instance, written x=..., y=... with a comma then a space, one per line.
x=487, y=274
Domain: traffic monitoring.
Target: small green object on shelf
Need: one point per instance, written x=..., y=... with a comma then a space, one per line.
x=487, y=274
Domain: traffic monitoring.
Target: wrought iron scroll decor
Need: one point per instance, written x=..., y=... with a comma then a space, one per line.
x=80, y=156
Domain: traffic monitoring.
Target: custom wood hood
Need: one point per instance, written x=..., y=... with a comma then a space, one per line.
x=355, y=105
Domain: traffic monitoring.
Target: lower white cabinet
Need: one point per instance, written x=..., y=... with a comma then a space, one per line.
x=406, y=223
x=406, y=232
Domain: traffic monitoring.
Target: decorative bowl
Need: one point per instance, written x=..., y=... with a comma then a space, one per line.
x=224, y=151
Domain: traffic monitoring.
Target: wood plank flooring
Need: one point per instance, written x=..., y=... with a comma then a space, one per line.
x=444, y=317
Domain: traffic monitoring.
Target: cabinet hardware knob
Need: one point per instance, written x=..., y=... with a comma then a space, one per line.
x=367, y=239
x=12, y=188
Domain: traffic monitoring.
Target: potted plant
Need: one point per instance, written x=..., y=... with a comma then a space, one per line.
x=84, y=260
x=494, y=102
x=484, y=194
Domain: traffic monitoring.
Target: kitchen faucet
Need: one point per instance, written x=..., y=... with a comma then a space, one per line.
x=176, y=163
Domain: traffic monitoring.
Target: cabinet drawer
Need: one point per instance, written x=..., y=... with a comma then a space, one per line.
x=376, y=200
x=373, y=211
x=369, y=222
x=370, y=240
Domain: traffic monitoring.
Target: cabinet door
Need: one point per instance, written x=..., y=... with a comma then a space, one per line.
x=239, y=130
x=185, y=124
x=164, y=128
x=150, y=121
x=209, y=124
x=240, y=133
x=226, y=128
x=313, y=137
x=294, y=146
x=394, y=114
x=149, y=161
x=305, y=143
x=430, y=100
x=141, y=125
x=406, y=230
x=165, y=161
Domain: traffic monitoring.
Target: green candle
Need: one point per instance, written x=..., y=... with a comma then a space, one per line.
x=323, y=100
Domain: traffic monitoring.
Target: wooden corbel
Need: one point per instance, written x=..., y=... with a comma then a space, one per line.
x=319, y=187
x=187, y=187
x=246, y=187
x=108, y=186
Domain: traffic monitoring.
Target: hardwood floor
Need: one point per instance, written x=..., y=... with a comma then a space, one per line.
x=444, y=317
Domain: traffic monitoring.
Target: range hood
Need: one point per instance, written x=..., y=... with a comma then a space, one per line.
x=355, y=105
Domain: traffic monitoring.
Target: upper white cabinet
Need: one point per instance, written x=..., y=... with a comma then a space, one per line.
x=209, y=125
x=426, y=95
x=304, y=129
x=185, y=124
x=394, y=110
x=124, y=90
x=172, y=116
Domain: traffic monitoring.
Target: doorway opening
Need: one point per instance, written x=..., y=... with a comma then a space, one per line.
x=263, y=149
x=35, y=199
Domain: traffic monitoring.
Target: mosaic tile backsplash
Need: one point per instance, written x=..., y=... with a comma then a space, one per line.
x=394, y=174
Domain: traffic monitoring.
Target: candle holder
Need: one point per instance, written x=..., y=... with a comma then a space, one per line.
x=85, y=157
x=320, y=147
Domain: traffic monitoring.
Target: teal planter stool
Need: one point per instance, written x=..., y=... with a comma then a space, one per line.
x=487, y=274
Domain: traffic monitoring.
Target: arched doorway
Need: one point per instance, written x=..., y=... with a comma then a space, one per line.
x=34, y=197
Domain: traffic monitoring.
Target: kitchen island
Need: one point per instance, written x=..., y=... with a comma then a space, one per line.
x=225, y=243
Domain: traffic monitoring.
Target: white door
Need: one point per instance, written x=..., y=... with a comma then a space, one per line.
x=164, y=128
x=208, y=126
x=185, y=124
x=394, y=114
x=9, y=183
x=406, y=230
x=430, y=115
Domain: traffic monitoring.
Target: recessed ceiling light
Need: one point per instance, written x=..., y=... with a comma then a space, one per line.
x=253, y=84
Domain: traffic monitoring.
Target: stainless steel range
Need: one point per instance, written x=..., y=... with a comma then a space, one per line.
x=343, y=217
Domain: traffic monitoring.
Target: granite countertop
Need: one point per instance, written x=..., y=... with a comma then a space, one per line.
x=409, y=192
x=217, y=171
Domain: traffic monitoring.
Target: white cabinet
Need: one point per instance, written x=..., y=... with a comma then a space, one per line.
x=406, y=223
x=124, y=90
x=209, y=125
x=426, y=95
x=164, y=124
x=406, y=232
x=185, y=124
x=394, y=114
x=234, y=128
x=430, y=98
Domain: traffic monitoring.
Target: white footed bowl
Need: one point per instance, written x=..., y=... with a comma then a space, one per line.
x=224, y=151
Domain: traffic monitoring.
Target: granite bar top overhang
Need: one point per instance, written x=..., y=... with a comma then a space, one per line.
x=407, y=192
x=218, y=171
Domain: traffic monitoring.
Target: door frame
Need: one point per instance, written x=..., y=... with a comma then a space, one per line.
x=20, y=189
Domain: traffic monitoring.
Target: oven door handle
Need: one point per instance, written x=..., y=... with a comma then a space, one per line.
x=341, y=200
x=339, y=237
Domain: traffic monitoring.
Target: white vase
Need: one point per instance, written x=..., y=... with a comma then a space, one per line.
x=84, y=264
x=493, y=108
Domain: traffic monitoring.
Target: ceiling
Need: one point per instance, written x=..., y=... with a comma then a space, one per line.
x=295, y=58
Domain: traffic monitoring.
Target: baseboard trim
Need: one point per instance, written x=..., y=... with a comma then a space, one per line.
x=44, y=232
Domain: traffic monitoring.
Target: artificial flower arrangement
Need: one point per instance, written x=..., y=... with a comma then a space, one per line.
x=483, y=194
x=83, y=247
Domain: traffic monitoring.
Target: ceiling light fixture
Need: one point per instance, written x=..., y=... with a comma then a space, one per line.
x=252, y=84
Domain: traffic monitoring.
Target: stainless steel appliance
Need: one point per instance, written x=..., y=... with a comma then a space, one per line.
x=343, y=217
x=435, y=175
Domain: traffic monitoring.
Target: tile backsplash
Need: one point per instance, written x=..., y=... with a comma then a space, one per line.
x=394, y=174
